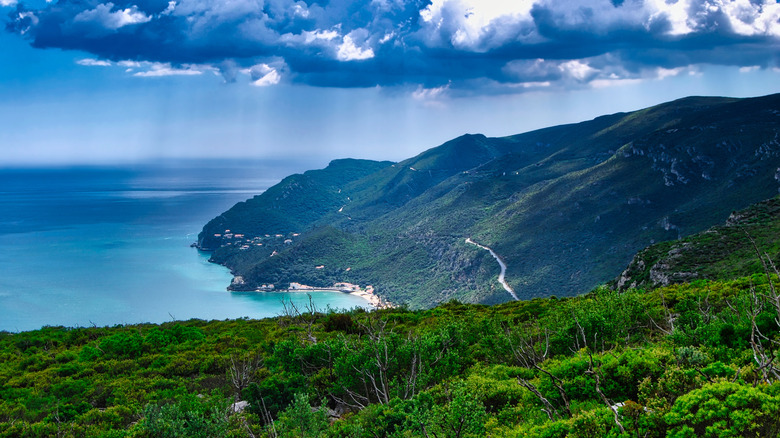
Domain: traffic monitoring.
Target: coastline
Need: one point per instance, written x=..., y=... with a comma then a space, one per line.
x=239, y=285
x=366, y=293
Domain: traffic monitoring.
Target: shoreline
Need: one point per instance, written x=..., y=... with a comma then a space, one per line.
x=366, y=293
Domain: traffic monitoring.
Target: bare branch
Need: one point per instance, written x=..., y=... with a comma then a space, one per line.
x=530, y=345
x=242, y=372
x=761, y=345
x=549, y=409
x=610, y=404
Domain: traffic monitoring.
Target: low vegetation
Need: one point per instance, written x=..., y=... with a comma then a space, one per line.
x=694, y=359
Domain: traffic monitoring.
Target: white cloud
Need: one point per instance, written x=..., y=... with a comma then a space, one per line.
x=317, y=37
x=169, y=10
x=531, y=70
x=300, y=10
x=387, y=37
x=748, y=69
x=530, y=84
x=614, y=82
x=745, y=17
x=348, y=51
x=577, y=70
x=537, y=84
x=428, y=14
x=663, y=73
x=165, y=69
x=203, y=16
x=480, y=25
x=129, y=64
x=387, y=5
x=272, y=78
x=430, y=94
x=752, y=17
x=129, y=16
x=476, y=25
x=345, y=47
x=25, y=16
x=112, y=20
x=93, y=62
x=627, y=78
x=263, y=75
x=676, y=13
x=582, y=41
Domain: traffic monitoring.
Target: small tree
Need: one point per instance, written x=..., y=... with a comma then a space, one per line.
x=300, y=420
x=462, y=416
x=724, y=409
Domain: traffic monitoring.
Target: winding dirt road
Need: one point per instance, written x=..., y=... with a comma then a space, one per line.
x=501, y=263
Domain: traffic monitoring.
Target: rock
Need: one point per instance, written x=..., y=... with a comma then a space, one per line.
x=239, y=406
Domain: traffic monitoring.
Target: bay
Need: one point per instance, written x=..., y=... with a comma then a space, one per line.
x=107, y=246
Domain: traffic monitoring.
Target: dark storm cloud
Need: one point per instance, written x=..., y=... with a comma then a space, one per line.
x=459, y=44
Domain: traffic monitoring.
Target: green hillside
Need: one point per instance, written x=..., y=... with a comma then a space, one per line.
x=565, y=207
x=291, y=205
x=721, y=252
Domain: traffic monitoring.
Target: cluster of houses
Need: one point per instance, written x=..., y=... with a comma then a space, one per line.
x=339, y=287
x=243, y=242
x=229, y=238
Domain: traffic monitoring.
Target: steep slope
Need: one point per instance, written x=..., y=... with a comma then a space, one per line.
x=564, y=207
x=722, y=252
x=292, y=205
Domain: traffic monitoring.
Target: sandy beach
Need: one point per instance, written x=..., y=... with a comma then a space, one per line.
x=366, y=293
x=369, y=295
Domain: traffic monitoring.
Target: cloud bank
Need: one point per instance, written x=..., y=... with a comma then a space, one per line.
x=487, y=46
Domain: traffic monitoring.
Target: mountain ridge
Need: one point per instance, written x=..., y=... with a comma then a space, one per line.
x=564, y=206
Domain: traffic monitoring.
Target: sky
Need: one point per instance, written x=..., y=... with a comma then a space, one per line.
x=129, y=81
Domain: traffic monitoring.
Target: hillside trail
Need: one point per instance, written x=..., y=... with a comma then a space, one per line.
x=501, y=277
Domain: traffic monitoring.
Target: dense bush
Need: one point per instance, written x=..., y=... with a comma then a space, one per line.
x=686, y=360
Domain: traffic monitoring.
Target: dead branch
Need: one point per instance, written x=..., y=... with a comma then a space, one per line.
x=549, y=409
x=610, y=404
x=242, y=372
x=558, y=383
x=766, y=263
x=761, y=345
x=531, y=346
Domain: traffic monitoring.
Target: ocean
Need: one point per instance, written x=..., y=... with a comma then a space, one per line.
x=105, y=246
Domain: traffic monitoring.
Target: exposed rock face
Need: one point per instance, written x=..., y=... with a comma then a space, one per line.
x=661, y=274
x=238, y=282
x=626, y=281
x=711, y=253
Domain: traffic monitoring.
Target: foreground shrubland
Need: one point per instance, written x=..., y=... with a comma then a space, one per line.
x=686, y=360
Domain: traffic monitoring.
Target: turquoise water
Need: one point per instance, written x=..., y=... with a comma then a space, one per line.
x=96, y=246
